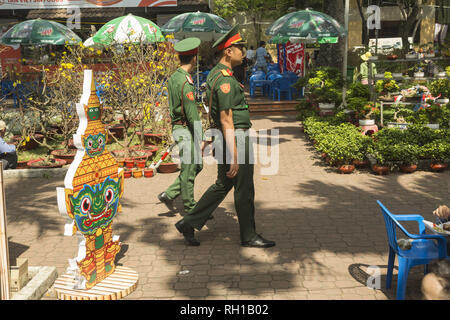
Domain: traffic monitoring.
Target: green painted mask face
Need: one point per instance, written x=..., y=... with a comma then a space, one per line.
x=95, y=207
x=95, y=144
x=94, y=113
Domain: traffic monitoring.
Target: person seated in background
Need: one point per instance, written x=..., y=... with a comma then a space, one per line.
x=8, y=154
x=442, y=213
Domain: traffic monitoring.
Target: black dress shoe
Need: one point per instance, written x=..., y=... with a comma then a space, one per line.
x=168, y=202
x=188, y=232
x=258, y=242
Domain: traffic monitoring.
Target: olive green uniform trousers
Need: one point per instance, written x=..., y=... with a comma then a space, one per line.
x=184, y=183
x=244, y=195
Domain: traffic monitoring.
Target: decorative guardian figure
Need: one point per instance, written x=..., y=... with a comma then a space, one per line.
x=91, y=195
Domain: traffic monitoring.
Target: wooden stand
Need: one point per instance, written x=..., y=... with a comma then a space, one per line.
x=118, y=285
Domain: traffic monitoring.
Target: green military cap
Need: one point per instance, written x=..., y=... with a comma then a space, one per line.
x=231, y=37
x=187, y=46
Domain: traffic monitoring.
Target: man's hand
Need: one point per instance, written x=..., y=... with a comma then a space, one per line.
x=226, y=119
x=442, y=212
x=234, y=168
x=204, y=144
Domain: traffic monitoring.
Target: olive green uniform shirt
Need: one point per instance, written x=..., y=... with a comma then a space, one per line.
x=227, y=93
x=174, y=86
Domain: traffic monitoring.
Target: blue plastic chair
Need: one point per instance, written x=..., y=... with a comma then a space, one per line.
x=281, y=85
x=273, y=67
x=257, y=80
x=272, y=76
x=423, y=248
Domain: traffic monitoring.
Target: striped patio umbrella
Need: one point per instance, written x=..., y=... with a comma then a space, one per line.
x=128, y=29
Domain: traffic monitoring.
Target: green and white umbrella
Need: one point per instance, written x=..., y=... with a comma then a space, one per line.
x=128, y=29
x=305, y=26
x=39, y=31
x=205, y=26
x=89, y=42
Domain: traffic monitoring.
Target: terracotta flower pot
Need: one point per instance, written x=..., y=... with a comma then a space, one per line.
x=29, y=145
x=38, y=163
x=137, y=173
x=120, y=162
x=127, y=173
x=148, y=173
x=408, y=168
x=129, y=163
x=140, y=163
x=118, y=131
x=59, y=153
x=360, y=163
x=22, y=164
x=346, y=168
x=153, y=138
x=438, y=167
x=380, y=170
x=167, y=167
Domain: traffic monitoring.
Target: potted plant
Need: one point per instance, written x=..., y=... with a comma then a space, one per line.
x=137, y=172
x=387, y=87
x=407, y=155
x=167, y=166
x=431, y=113
x=419, y=70
x=127, y=173
x=378, y=151
x=324, y=85
x=440, y=88
x=148, y=172
x=439, y=152
x=43, y=163
x=411, y=55
x=363, y=109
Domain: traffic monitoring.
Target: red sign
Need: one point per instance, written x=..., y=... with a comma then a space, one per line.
x=295, y=57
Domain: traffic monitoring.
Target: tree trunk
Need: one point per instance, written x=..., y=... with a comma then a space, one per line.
x=332, y=54
x=409, y=23
x=365, y=31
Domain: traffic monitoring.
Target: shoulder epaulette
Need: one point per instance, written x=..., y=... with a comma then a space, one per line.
x=225, y=73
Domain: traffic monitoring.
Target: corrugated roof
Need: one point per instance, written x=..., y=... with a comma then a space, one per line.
x=85, y=12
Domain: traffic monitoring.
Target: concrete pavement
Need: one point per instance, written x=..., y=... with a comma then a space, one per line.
x=327, y=227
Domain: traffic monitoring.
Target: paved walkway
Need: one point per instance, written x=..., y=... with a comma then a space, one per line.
x=327, y=226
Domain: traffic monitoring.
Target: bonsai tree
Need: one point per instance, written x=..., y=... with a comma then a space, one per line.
x=440, y=87
x=387, y=85
x=324, y=85
x=363, y=107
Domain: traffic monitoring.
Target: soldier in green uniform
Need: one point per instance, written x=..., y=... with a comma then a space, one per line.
x=186, y=126
x=229, y=112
